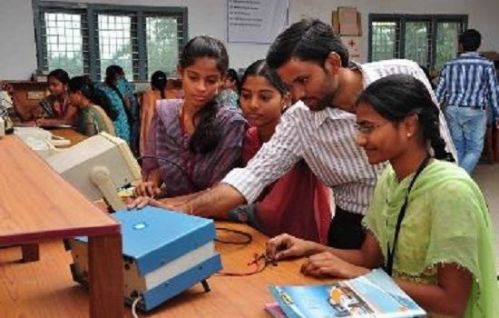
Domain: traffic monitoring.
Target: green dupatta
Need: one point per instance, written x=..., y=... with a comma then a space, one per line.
x=447, y=221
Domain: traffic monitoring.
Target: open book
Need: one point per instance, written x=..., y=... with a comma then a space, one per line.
x=372, y=295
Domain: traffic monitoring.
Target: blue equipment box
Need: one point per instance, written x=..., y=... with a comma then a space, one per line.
x=164, y=253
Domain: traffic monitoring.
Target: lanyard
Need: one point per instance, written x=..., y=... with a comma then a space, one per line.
x=391, y=252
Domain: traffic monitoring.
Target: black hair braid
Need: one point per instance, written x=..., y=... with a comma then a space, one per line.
x=430, y=123
x=206, y=136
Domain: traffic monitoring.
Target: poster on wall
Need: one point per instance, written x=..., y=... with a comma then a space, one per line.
x=353, y=45
x=256, y=21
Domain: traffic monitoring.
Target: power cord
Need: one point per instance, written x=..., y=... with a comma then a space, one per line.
x=247, y=237
x=134, y=307
x=174, y=164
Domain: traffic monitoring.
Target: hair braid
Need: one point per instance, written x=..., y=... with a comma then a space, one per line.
x=429, y=120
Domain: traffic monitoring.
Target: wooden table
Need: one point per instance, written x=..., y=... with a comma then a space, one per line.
x=70, y=134
x=36, y=204
x=54, y=295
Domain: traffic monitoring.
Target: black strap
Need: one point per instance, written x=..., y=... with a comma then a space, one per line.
x=391, y=253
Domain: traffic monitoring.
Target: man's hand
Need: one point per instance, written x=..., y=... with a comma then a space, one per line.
x=142, y=201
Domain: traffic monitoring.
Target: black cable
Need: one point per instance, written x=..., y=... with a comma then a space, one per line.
x=247, y=236
x=174, y=164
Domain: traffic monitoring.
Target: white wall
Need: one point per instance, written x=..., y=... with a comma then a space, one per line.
x=18, y=51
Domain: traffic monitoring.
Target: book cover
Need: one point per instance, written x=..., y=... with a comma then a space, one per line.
x=372, y=295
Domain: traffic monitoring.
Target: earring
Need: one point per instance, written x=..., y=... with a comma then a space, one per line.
x=409, y=135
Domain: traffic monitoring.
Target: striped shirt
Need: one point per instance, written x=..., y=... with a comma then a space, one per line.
x=326, y=141
x=469, y=81
x=183, y=171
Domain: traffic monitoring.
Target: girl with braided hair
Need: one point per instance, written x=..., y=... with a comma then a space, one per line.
x=428, y=224
x=95, y=111
x=193, y=142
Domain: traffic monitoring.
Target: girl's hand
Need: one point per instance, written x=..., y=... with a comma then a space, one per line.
x=328, y=264
x=287, y=246
x=147, y=189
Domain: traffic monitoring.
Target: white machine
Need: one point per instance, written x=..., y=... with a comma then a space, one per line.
x=40, y=140
x=98, y=167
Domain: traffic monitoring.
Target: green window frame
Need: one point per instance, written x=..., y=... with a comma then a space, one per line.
x=429, y=40
x=97, y=45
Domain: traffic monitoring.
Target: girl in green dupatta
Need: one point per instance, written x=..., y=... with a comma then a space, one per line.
x=428, y=223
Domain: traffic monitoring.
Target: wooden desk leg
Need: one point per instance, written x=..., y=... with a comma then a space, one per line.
x=106, y=276
x=30, y=253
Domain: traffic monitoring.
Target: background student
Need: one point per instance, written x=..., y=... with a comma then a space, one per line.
x=468, y=85
x=95, y=110
x=229, y=88
x=148, y=106
x=428, y=222
x=55, y=109
x=116, y=89
x=297, y=202
x=193, y=142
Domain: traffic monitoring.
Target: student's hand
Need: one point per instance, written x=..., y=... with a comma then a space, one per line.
x=287, y=246
x=142, y=201
x=147, y=189
x=328, y=264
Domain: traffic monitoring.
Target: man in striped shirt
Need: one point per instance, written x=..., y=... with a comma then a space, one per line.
x=320, y=128
x=467, y=85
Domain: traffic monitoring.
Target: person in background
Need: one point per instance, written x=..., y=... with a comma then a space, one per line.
x=55, y=109
x=193, y=142
x=467, y=84
x=119, y=101
x=95, y=110
x=298, y=202
x=8, y=98
x=127, y=89
x=148, y=104
x=228, y=96
x=174, y=88
x=428, y=221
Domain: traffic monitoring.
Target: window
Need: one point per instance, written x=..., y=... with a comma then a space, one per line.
x=115, y=42
x=429, y=40
x=87, y=38
x=63, y=42
x=161, y=44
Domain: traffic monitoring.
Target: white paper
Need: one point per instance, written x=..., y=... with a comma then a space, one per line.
x=256, y=21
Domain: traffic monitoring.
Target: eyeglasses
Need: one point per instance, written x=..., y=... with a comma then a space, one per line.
x=367, y=128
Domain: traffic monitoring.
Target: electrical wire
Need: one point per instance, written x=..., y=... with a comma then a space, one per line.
x=174, y=164
x=134, y=307
x=261, y=262
x=248, y=238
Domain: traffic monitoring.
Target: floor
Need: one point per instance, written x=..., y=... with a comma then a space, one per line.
x=487, y=176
